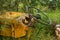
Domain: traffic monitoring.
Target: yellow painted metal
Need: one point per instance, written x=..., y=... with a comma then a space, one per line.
x=12, y=27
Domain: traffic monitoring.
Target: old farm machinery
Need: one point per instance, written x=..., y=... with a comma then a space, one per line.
x=16, y=24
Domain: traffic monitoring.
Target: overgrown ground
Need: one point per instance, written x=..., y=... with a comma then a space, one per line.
x=47, y=32
x=42, y=32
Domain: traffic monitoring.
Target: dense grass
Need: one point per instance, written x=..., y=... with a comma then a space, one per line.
x=47, y=32
x=54, y=15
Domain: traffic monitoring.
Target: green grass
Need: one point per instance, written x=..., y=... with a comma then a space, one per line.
x=47, y=32
x=54, y=15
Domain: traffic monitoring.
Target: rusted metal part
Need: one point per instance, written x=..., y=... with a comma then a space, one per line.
x=12, y=24
x=13, y=29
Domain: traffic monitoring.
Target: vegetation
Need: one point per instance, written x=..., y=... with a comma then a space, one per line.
x=49, y=7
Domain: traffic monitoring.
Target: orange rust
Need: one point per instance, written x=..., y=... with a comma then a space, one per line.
x=16, y=30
